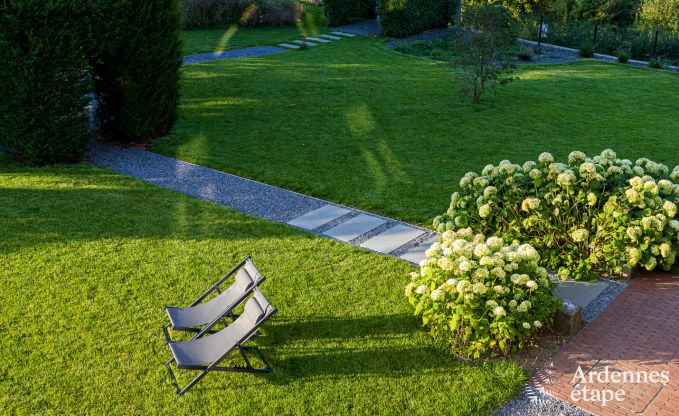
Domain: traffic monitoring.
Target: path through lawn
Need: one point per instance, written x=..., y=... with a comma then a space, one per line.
x=88, y=259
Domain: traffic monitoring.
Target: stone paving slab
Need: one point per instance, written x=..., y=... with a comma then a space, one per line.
x=580, y=293
x=355, y=227
x=416, y=254
x=307, y=44
x=318, y=217
x=289, y=45
x=331, y=37
x=319, y=40
x=392, y=239
x=347, y=35
x=637, y=334
x=232, y=54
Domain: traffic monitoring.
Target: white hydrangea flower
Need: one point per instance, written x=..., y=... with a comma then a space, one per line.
x=437, y=295
x=588, y=169
x=499, y=311
x=481, y=274
x=530, y=204
x=451, y=282
x=565, y=179
x=463, y=286
x=498, y=273
x=492, y=304
x=487, y=170
x=580, y=235
x=532, y=284
x=513, y=303
x=479, y=288
x=495, y=243
x=609, y=154
x=670, y=208
x=535, y=174
x=528, y=166
x=545, y=158
x=633, y=196
x=445, y=264
x=465, y=266
x=651, y=187
x=431, y=252
x=576, y=157
x=526, y=325
x=482, y=250
x=537, y=324
x=499, y=289
x=524, y=306
x=665, y=187
x=489, y=192
x=634, y=232
x=674, y=224
x=421, y=290
x=634, y=256
x=448, y=235
x=591, y=199
x=410, y=288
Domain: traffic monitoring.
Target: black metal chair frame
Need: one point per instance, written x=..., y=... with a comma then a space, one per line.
x=227, y=312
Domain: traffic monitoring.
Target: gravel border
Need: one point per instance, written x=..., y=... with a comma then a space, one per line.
x=539, y=404
x=233, y=54
x=601, y=302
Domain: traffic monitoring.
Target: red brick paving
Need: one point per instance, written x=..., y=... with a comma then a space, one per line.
x=638, y=334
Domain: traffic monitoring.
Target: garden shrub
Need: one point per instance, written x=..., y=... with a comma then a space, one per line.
x=341, y=12
x=400, y=18
x=210, y=13
x=479, y=296
x=136, y=75
x=655, y=63
x=586, y=216
x=586, y=49
x=43, y=81
x=623, y=57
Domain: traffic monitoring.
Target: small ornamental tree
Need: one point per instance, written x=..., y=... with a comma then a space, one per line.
x=483, y=49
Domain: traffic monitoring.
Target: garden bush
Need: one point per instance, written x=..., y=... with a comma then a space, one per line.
x=623, y=57
x=586, y=49
x=341, y=12
x=211, y=13
x=136, y=75
x=43, y=81
x=479, y=296
x=587, y=216
x=400, y=18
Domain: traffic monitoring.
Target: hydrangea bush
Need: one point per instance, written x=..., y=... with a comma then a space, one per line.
x=587, y=216
x=480, y=296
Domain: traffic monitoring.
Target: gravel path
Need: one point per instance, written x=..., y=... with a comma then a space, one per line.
x=233, y=54
x=538, y=404
x=365, y=28
x=602, y=301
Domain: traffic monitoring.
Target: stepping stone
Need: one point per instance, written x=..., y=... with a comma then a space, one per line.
x=307, y=43
x=331, y=37
x=348, y=35
x=392, y=239
x=289, y=45
x=318, y=217
x=319, y=40
x=580, y=293
x=416, y=254
x=355, y=227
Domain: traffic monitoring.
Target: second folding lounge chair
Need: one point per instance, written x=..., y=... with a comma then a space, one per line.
x=207, y=353
x=198, y=314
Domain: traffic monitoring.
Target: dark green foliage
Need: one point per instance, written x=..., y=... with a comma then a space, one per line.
x=216, y=13
x=136, y=76
x=656, y=63
x=436, y=49
x=400, y=18
x=623, y=57
x=341, y=12
x=43, y=85
x=586, y=49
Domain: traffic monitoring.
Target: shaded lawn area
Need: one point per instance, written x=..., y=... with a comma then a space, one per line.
x=234, y=37
x=356, y=123
x=88, y=259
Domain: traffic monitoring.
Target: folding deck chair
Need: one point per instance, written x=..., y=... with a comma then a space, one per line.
x=199, y=314
x=207, y=353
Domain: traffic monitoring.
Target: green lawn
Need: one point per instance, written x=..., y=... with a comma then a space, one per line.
x=359, y=124
x=233, y=37
x=88, y=259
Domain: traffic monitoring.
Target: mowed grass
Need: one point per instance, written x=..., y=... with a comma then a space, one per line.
x=88, y=259
x=234, y=36
x=356, y=123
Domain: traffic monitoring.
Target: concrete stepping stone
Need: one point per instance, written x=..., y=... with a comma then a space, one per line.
x=416, y=254
x=307, y=43
x=580, y=293
x=289, y=45
x=318, y=217
x=331, y=37
x=319, y=40
x=355, y=227
x=392, y=239
x=348, y=35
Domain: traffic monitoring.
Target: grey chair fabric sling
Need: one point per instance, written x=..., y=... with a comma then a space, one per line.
x=200, y=313
x=205, y=353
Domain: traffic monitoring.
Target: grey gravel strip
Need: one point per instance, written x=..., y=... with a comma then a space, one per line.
x=232, y=54
x=601, y=302
x=539, y=405
x=244, y=195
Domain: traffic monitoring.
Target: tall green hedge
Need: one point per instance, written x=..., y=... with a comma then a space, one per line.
x=136, y=74
x=400, y=18
x=43, y=80
x=55, y=53
x=341, y=12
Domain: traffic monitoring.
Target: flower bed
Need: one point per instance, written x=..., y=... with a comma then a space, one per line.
x=585, y=217
x=479, y=296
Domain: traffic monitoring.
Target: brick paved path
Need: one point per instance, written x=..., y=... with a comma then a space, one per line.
x=635, y=340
